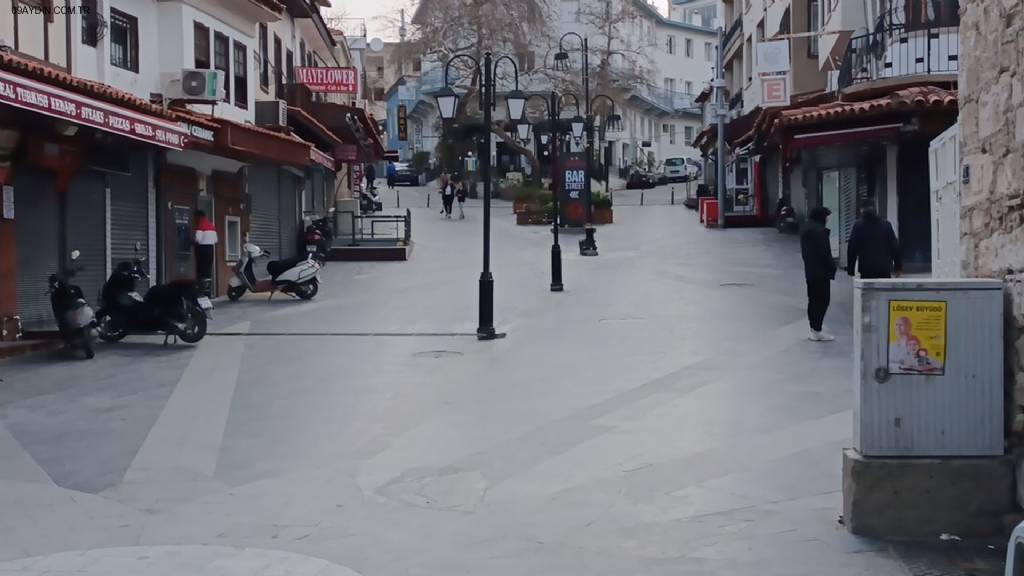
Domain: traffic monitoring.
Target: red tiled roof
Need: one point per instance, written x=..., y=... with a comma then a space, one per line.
x=907, y=99
x=59, y=78
x=189, y=116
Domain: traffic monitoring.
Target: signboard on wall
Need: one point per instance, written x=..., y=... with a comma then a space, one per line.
x=775, y=90
x=403, y=124
x=773, y=67
x=573, y=176
x=343, y=80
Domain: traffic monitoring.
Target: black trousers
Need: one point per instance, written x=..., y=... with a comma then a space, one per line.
x=819, y=294
x=448, y=200
x=204, y=261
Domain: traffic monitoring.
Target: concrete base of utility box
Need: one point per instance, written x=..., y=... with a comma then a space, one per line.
x=926, y=497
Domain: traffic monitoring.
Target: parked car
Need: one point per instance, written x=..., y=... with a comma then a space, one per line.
x=406, y=174
x=641, y=180
x=681, y=169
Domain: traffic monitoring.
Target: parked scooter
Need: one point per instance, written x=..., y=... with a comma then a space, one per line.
x=294, y=276
x=785, y=220
x=75, y=318
x=318, y=238
x=369, y=201
x=177, y=309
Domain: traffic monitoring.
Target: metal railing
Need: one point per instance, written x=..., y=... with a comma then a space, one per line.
x=370, y=229
x=734, y=29
x=903, y=45
x=668, y=100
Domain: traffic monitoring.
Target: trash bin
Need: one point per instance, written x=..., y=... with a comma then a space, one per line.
x=711, y=213
x=929, y=367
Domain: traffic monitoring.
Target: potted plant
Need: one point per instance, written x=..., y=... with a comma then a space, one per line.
x=537, y=214
x=602, y=209
x=528, y=198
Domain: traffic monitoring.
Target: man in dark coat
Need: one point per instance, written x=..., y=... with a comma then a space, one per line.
x=819, y=270
x=874, y=245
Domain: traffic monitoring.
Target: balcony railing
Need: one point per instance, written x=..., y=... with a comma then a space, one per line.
x=668, y=100
x=903, y=45
x=735, y=29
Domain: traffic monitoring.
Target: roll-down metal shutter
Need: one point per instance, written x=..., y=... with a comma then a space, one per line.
x=289, y=196
x=87, y=231
x=265, y=215
x=847, y=210
x=37, y=229
x=129, y=212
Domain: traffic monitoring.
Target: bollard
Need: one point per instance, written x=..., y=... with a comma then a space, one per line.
x=641, y=197
x=398, y=198
x=673, y=200
x=428, y=199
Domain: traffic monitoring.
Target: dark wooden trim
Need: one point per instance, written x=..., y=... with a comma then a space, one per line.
x=67, y=35
x=17, y=18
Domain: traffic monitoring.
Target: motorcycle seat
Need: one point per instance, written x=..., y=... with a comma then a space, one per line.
x=276, y=267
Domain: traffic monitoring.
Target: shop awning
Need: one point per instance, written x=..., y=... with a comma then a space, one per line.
x=32, y=86
x=246, y=142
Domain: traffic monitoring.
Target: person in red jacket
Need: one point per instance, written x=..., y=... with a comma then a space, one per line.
x=206, y=243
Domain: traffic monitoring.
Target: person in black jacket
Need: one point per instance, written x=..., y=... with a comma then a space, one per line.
x=819, y=270
x=873, y=243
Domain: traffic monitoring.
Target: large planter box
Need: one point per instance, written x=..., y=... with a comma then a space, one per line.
x=603, y=216
x=529, y=218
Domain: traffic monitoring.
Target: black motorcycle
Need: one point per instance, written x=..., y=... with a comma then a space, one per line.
x=318, y=238
x=75, y=318
x=177, y=309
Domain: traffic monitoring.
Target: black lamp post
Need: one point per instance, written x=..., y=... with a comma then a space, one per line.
x=447, y=104
x=588, y=246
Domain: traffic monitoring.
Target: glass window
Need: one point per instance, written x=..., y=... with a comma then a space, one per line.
x=90, y=23
x=232, y=238
x=689, y=48
x=289, y=67
x=671, y=44
x=709, y=52
x=689, y=87
x=241, y=76
x=302, y=53
x=688, y=135
x=264, y=57
x=201, y=45
x=672, y=134
x=813, y=24
x=124, y=40
x=278, y=68
x=222, y=61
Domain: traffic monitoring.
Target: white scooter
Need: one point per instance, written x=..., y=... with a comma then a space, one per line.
x=295, y=276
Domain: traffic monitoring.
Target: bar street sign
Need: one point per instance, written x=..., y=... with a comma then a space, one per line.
x=574, y=189
x=324, y=79
x=403, y=124
x=52, y=101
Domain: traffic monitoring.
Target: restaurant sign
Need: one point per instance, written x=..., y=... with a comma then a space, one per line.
x=52, y=101
x=321, y=158
x=324, y=79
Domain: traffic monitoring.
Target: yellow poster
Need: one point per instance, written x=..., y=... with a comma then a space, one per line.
x=917, y=337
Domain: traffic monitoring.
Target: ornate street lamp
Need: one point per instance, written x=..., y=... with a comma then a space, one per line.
x=523, y=130
x=447, y=103
x=516, y=103
x=577, y=125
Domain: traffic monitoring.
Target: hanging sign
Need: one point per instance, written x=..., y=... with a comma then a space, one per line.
x=917, y=337
x=58, y=103
x=403, y=124
x=324, y=79
x=773, y=68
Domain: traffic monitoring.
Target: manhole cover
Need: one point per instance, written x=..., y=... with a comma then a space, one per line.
x=437, y=354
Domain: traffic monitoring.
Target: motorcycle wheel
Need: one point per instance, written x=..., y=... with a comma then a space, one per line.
x=235, y=292
x=109, y=330
x=86, y=343
x=195, y=326
x=309, y=290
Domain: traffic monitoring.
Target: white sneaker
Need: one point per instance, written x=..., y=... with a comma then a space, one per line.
x=820, y=337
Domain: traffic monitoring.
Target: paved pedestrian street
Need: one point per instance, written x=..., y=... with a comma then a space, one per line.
x=664, y=415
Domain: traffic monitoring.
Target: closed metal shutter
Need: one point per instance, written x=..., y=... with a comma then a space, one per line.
x=265, y=216
x=289, y=196
x=847, y=209
x=87, y=231
x=129, y=212
x=37, y=230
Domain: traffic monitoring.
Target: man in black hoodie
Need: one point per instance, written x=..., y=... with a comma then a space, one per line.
x=873, y=243
x=819, y=269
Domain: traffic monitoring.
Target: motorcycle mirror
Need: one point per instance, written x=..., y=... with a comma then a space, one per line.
x=75, y=254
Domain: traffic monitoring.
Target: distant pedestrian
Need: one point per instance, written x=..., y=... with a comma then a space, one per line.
x=447, y=196
x=391, y=175
x=460, y=195
x=873, y=245
x=819, y=270
x=371, y=175
x=205, y=243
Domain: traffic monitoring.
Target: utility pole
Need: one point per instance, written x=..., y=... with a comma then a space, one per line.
x=720, y=113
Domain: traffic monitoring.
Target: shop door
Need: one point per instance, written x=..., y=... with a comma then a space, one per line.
x=37, y=231
x=179, y=260
x=86, y=217
x=265, y=216
x=289, y=195
x=129, y=212
x=915, y=208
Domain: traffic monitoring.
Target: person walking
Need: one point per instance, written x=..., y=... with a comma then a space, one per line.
x=448, y=197
x=873, y=245
x=819, y=270
x=460, y=195
x=371, y=175
x=205, y=243
x=391, y=175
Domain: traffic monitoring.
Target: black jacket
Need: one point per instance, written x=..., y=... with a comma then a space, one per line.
x=873, y=243
x=816, y=247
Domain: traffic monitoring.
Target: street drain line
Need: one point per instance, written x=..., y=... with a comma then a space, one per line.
x=350, y=334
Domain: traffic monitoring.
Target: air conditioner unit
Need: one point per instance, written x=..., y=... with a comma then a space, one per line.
x=272, y=113
x=199, y=85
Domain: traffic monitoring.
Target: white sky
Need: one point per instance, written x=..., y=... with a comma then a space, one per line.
x=377, y=13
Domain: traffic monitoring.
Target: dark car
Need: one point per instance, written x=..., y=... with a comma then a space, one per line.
x=641, y=181
x=405, y=174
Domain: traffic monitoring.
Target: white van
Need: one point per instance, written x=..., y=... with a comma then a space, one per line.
x=681, y=169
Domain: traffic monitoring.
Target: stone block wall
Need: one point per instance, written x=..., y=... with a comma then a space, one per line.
x=991, y=87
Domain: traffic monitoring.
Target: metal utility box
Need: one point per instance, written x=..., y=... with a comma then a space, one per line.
x=929, y=367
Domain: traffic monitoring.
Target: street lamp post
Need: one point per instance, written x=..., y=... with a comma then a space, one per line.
x=447, y=104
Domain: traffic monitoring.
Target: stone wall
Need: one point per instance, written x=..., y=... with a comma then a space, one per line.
x=992, y=129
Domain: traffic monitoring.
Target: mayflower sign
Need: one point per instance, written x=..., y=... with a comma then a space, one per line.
x=320, y=79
